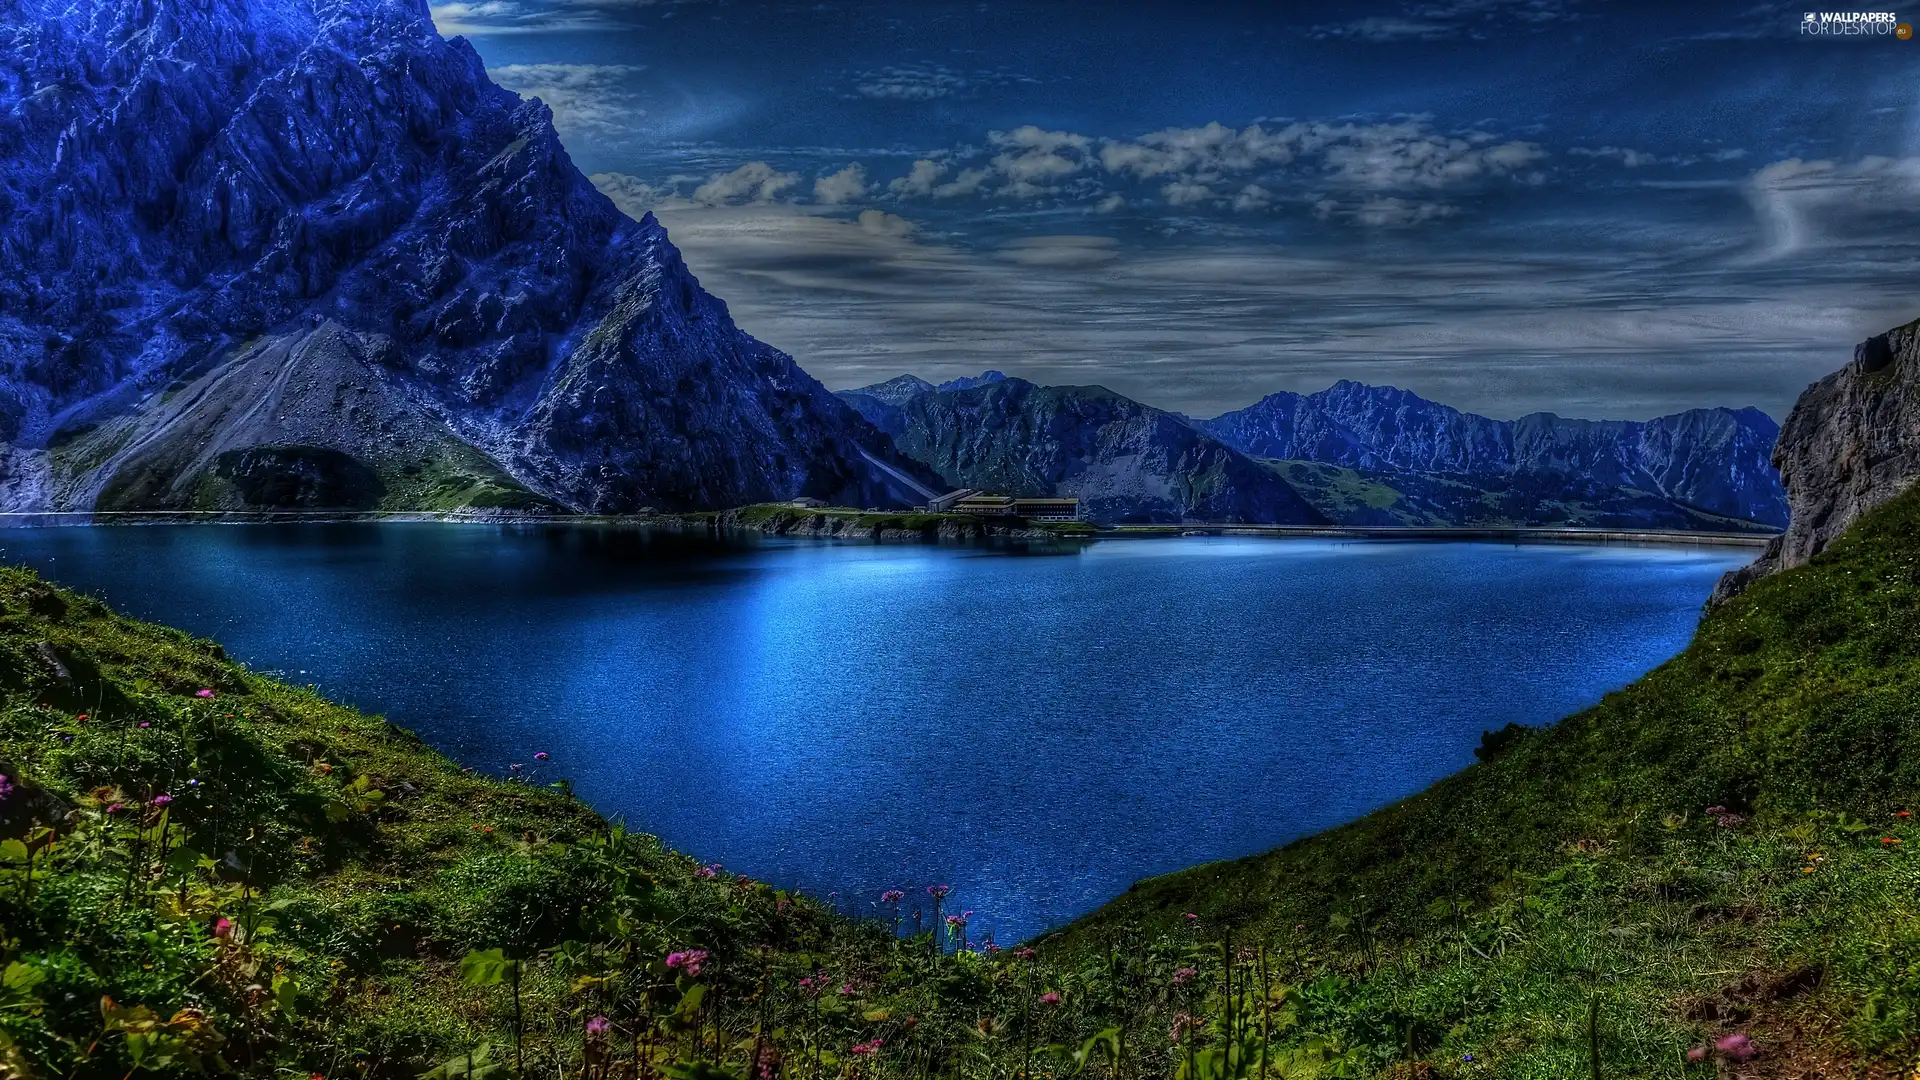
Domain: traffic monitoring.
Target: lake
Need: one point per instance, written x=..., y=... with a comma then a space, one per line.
x=1036, y=728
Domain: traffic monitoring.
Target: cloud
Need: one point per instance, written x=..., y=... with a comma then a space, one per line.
x=585, y=98
x=1813, y=204
x=928, y=178
x=1186, y=193
x=1034, y=158
x=1393, y=212
x=473, y=17
x=911, y=83
x=1252, y=197
x=1061, y=251
x=756, y=181
x=632, y=195
x=1109, y=204
x=1410, y=155
x=1442, y=20
x=847, y=185
x=881, y=223
x=1623, y=325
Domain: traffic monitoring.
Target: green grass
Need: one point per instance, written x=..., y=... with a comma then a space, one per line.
x=1572, y=879
x=1579, y=861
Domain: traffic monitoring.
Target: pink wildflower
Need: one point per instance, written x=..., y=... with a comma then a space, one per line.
x=1738, y=1047
x=1184, y=976
x=203, y=693
x=1698, y=1053
x=6, y=789
x=1049, y=998
x=116, y=808
x=688, y=961
x=223, y=928
x=598, y=1027
x=892, y=896
x=939, y=892
x=162, y=800
x=540, y=755
x=1023, y=953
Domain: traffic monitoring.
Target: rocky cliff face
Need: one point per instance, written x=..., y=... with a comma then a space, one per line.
x=1851, y=443
x=1713, y=460
x=1125, y=461
x=328, y=202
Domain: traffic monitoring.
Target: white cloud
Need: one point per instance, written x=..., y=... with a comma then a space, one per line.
x=1061, y=251
x=1109, y=204
x=589, y=98
x=1186, y=193
x=845, y=186
x=1806, y=204
x=911, y=83
x=921, y=179
x=881, y=223
x=965, y=182
x=632, y=195
x=1252, y=197
x=756, y=181
x=1036, y=158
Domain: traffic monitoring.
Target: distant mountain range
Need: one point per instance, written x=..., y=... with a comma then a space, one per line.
x=305, y=253
x=1350, y=454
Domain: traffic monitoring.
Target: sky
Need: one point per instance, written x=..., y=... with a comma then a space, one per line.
x=1595, y=209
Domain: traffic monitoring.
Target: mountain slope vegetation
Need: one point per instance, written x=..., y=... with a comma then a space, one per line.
x=204, y=868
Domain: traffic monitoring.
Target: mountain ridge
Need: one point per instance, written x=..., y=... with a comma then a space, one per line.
x=299, y=166
x=1379, y=455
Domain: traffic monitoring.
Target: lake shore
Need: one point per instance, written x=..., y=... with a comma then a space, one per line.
x=836, y=523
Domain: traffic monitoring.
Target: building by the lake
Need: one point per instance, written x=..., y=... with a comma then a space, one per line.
x=973, y=501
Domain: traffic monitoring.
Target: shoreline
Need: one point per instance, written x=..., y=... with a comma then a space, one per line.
x=680, y=523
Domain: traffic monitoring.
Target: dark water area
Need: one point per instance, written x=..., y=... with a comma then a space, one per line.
x=1037, y=729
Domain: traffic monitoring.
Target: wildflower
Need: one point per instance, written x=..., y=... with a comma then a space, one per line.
x=992, y=949
x=1468, y=1058
x=116, y=808
x=81, y=719
x=487, y=830
x=846, y=989
x=1889, y=841
x=1698, y=1053
x=162, y=800
x=223, y=928
x=204, y=693
x=1184, y=976
x=1738, y=1047
x=892, y=896
x=742, y=879
x=316, y=1076
x=6, y=789
x=806, y=983
x=1023, y=953
x=707, y=872
x=957, y=922
x=1903, y=814
x=688, y=961
x=598, y=1027
x=872, y=1046
x=515, y=767
x=1714, y=811
x=939, y=892
x=1192, y=918
x=146, y=724
x=1049, y=998
x=540, y=755
x=193, y=783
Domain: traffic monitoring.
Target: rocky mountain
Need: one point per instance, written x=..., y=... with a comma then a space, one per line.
x=1355, y=454
x=300, y=252
x=1710, y=460
x=1851, y=443
x=1125, y=461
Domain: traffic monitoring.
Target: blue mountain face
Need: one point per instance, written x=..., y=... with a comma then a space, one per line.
x=316, y=225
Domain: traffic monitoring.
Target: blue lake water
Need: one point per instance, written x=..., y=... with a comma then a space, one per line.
x=1036, y=729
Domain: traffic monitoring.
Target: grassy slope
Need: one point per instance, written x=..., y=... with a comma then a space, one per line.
x=1579, y=860
x=1481, y=919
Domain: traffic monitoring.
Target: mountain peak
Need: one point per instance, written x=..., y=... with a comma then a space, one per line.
x=968, y=382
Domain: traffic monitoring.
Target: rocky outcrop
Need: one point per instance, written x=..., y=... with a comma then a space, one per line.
x=195, y=188
x=1851, y=443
